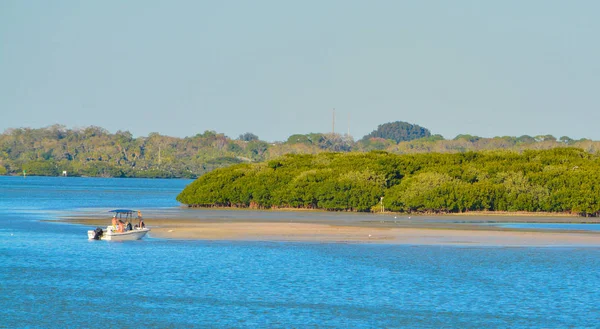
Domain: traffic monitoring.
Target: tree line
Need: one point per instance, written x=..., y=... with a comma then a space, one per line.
x=93, y=151
x=562, y=180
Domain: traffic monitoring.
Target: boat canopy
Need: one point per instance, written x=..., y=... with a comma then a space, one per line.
x=122, y=211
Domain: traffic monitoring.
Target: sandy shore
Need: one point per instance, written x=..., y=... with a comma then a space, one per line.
x=407, y=231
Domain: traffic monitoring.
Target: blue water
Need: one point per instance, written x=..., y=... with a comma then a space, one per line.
x=51, y=276
x=553, y=226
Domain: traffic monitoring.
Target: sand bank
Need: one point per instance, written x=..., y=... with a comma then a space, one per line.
x=389, y=232
x=349, y=234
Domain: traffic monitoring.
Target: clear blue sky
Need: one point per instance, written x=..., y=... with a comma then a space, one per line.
x=276, y=68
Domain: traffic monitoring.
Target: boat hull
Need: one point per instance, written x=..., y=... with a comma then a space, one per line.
x=111, y=235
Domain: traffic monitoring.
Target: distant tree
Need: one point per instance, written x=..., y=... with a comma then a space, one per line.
x=316, y=138
x=248, y=137
x=93, y=131
x=257, y=150
x=433, y=138
x=308, y=139
x=376, y=143
x=207, y=134
x=467, y=137
x=124, y=136
x=299, y=139
x=57, y=131
x=399, y=131
x=525, y=139
x=336, y=143
x=41, y=168
x=567, y=140
x=234, y=147
x=545, y=138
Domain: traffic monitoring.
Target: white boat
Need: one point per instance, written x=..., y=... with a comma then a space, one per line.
x=111, y=233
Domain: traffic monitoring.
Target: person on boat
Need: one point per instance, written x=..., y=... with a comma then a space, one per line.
x=139, y=217
x=121, y=228
x=114, y=222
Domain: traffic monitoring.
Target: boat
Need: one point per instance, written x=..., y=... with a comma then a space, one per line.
x=111, y=233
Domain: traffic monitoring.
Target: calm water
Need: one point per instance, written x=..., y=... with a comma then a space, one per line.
x=554, y=226
x=51, y=276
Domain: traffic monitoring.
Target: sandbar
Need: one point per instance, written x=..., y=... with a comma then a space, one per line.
x=340, y=229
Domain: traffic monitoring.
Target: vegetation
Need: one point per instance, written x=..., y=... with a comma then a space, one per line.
x=398, y=132
x=428, y=174
x=562, y=180
x=93, y=151
x=248, y=137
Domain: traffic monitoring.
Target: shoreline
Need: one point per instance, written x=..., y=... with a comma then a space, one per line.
x=388, y=213
x=225, y=225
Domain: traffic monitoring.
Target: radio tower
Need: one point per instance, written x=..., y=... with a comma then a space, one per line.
x=333, y=123
x=348, y=124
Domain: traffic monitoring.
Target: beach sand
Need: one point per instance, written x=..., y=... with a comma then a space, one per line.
x=409, y=232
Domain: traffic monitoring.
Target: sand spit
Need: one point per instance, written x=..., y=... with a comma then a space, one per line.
x=389, y=231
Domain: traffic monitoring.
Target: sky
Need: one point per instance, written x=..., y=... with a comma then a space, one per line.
x=277, y=68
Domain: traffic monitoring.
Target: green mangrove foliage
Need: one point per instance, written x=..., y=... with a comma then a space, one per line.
x=565, y=180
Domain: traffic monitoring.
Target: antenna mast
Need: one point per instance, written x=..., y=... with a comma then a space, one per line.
x=333, y=123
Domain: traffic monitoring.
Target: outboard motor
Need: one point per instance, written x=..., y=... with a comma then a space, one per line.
x=98, y=233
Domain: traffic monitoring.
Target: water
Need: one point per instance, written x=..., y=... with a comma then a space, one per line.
x=553, y=226
x=51, y=276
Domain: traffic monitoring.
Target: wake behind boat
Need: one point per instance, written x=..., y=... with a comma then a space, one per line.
x=121, y=229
